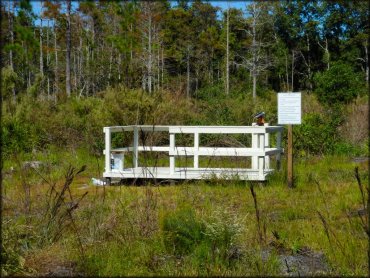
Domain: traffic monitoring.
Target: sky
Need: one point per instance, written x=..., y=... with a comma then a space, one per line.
x=222, y=4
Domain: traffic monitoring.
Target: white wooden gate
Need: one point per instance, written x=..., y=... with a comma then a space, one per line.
x=260, y=152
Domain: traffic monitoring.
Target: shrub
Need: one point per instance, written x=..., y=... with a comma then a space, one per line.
x=182, y=231
x=339, y=84
x=16, y=136
x=220, y=235
x=209, y=244
x=318, y=133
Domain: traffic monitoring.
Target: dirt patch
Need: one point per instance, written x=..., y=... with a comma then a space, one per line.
x=51, y=261
x=304, y=262
x=360, y=159
x=68, y=269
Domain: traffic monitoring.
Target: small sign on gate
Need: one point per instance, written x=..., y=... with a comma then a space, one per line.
x=289, y=108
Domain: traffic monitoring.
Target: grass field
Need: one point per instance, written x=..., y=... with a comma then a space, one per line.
x=55, y=222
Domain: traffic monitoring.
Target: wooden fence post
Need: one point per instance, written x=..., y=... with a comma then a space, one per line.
x=290, y=157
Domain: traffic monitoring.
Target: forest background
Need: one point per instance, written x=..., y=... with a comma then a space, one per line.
x=224, y=64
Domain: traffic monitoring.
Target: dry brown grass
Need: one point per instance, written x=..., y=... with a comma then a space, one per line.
x=355, y=128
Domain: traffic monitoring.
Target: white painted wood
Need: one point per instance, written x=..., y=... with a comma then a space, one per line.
x=172, y=153
x=189, y=173
x=196, y=150
x=143, y=149
x=218, y=129
x=267, y=145
x=215, y=151
x=204, y=151
x=261, y=159
x=201, y=129
x=107, y=149
x=278, y=146
x=135, y=152
x=254, y=146
x=260, y=152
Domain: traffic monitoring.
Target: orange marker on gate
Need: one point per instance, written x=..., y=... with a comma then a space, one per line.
x=260, y=116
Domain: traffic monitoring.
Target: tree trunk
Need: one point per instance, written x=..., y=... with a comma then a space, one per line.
x=56, y=65
x=196, y=80
x=110, y=64
x=309, y=73
x=254, y=49
x=162, y=65
x=119, y=67
x=254, y=86
x=227, y=53
x=159, y=67
x=150, y=55
x=48, y=58
x=286, y=72
x=131, y=48
x=366, y=63
x=68, y=50
x=292, y=71
x=28, y=70
x=79, y=64
x=87, y=70
x=10, y=22
x=74, y=71
x=218, y=71
x=188, y=72
x=328, y=53
x=10, y=18
x=41, y=52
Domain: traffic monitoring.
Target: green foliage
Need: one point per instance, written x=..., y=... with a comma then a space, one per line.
x=182, y=231
x=36, y=86
x=317, y=134
x=339, y=84
x=38, y=123
x=211, y=226
x=16, y=136
x=15, y=242
x=208, y=243
x=9, y=79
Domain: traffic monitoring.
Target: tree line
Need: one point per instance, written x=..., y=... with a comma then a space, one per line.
x=82, y=48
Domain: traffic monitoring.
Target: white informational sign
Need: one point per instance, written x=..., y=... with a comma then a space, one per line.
x=289, y=108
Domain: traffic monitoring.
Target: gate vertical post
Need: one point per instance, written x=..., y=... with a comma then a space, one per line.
x=261, y=158
x=278, y=146
x=172, y=153
x=136, y=150
x=267, y=145
x=290, y=157
x=107, y=149
x=196, y=149
x=254, y=146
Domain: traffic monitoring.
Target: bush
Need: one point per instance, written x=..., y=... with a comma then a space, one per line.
x=209, y=244
x=16, y=136
x=318, y=133
x=339, y=84
x=182, y=231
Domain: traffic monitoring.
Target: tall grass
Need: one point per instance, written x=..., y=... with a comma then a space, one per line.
x=191, y=228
